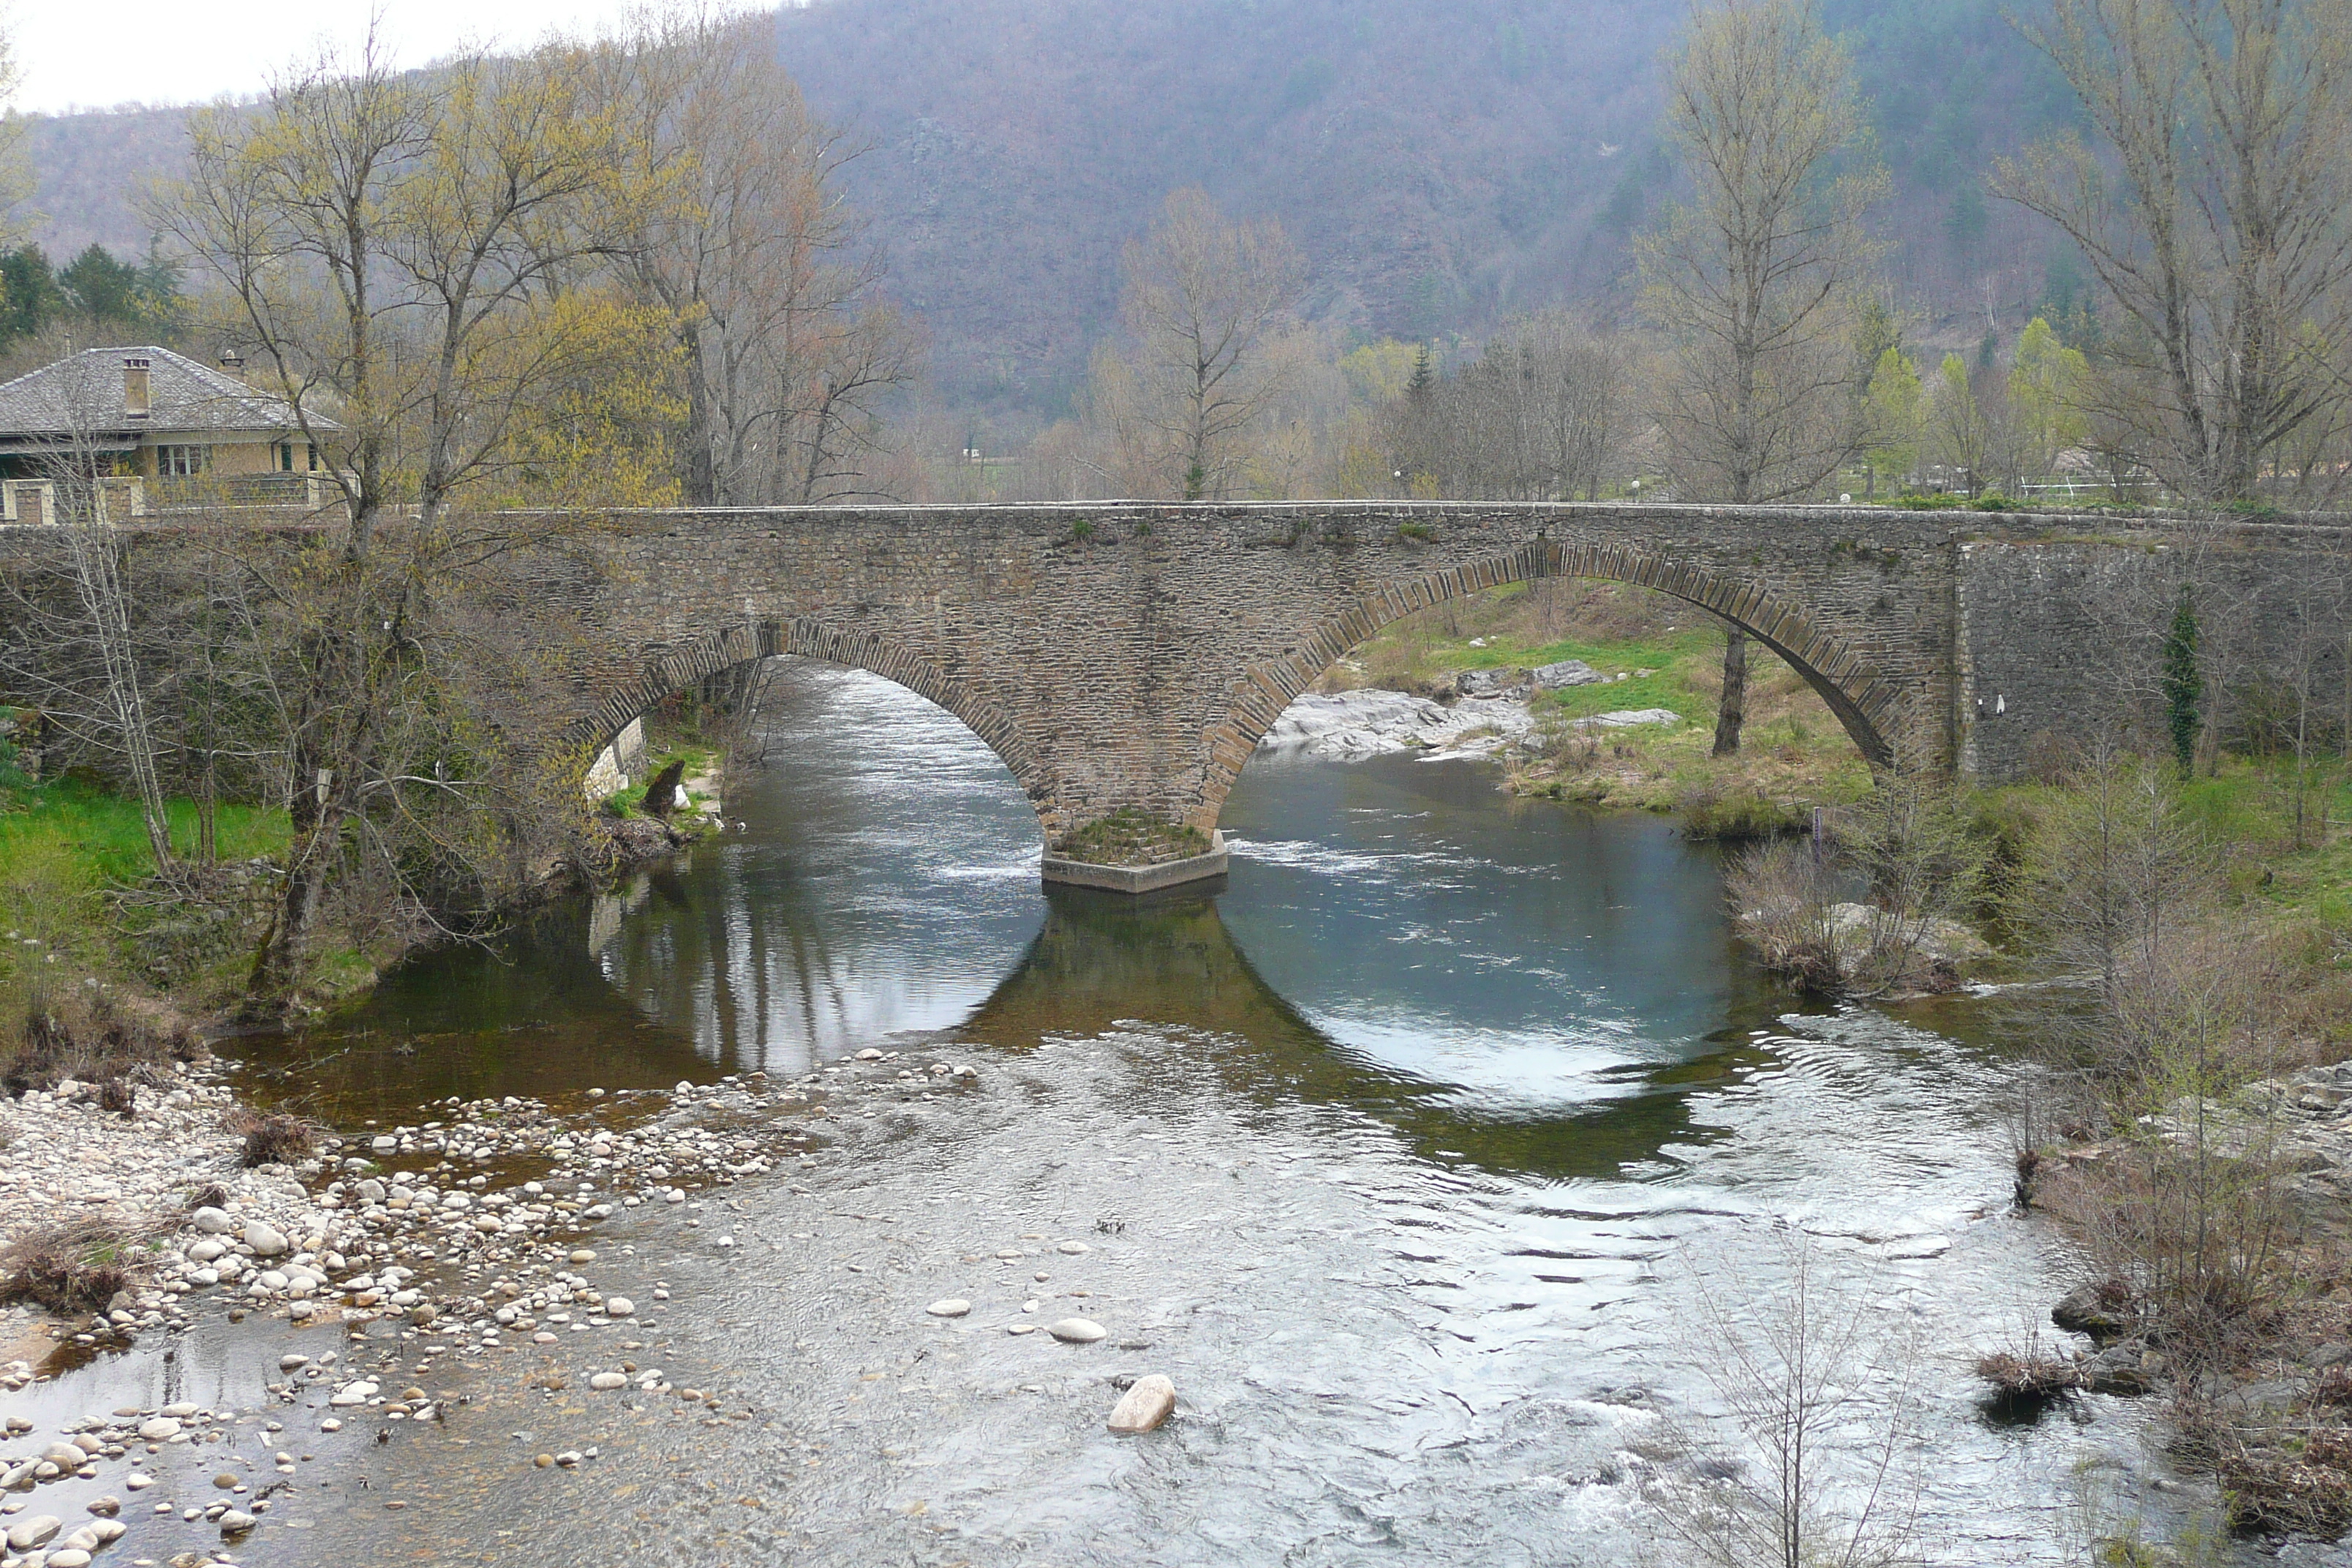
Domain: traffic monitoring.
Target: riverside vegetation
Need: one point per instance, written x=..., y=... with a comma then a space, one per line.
x=2174, y=937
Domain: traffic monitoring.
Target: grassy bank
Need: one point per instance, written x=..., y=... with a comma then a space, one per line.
x=1655, y=652
x=73, y=859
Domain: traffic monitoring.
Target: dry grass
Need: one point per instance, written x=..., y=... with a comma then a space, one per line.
x=2287, y=1476
x=69, y=1267
x=2029, y=1376
x=93, y=1037
x=275, y=1139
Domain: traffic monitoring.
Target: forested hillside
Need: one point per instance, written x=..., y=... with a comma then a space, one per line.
x=1443, y=163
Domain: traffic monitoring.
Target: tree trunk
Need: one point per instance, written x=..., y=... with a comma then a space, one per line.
x=278, y=964
x=701, y=487
x=1733, y=710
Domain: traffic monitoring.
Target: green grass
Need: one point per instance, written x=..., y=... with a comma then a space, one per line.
x=1794, y=753
x=700, y=762
x=2247, y=810
x=63, y=846
x=104, y=836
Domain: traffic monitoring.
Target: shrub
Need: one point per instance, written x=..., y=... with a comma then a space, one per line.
x=1782, y=895
x=275, y=1139
x=2024, y=1377
x=1414, y=533
x=74, y=1033
x=69, y=1267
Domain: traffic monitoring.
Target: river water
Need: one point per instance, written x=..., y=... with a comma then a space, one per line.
x=1446, y=1159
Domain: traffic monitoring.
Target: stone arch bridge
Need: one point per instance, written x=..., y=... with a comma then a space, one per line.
x=1126, y=656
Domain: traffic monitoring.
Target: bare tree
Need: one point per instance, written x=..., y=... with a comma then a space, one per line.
x=2218, y=216
x=1203, y=298
x=1754, y=278
x=76, y=643
x=1797, y=1379
x=761, y=267
x=1544, y=413
x=397, y=248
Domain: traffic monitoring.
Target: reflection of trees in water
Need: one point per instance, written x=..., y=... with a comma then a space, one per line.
x=1103, y=958
x=748, y=969
x=530, y=1016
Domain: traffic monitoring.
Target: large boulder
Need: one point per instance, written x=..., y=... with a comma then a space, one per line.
x=1566, y=673
x=2101, y=1309
x=662, y=796
x=1491, y=682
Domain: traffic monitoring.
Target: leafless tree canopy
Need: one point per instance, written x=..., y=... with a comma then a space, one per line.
x=787, y=350
x=2216, y=209
x=1546, y=413
x=1204, y=298
x=1754, y=278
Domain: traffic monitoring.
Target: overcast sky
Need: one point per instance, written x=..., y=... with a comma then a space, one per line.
x=96, y=56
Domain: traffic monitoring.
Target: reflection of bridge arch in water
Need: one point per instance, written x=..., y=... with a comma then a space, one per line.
x=1103, y=959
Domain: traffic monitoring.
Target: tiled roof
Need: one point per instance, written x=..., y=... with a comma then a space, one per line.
x=182, y=396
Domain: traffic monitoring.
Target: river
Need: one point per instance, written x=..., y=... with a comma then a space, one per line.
x=1446, y=1159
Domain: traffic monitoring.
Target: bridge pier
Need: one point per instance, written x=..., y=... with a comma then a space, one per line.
x=1152, y=878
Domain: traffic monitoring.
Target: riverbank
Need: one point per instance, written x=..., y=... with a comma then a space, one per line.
x=1641, y=653
x=78, y=908
x=464, y=1243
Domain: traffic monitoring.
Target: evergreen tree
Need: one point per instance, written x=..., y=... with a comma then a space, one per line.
x=139, y=303
x=2182, y=685
x=30, y=296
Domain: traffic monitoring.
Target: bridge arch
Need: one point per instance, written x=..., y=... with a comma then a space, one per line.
x=1867, y=705
x=745, y=642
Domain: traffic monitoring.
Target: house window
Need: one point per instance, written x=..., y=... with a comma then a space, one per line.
x=180, y=462
x=286, y=457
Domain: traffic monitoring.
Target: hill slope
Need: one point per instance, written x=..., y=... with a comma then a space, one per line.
x=1442, y=163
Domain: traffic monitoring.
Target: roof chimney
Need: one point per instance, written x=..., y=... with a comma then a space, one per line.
x=134, y=387
x=232, y=365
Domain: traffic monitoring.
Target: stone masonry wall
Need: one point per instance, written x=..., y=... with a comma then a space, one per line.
x=1131, y=655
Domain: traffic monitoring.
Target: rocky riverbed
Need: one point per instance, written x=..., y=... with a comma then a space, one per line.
x=438, y=1249
x=1369, y=723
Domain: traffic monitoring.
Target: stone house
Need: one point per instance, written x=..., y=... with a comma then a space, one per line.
x=159, y=427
